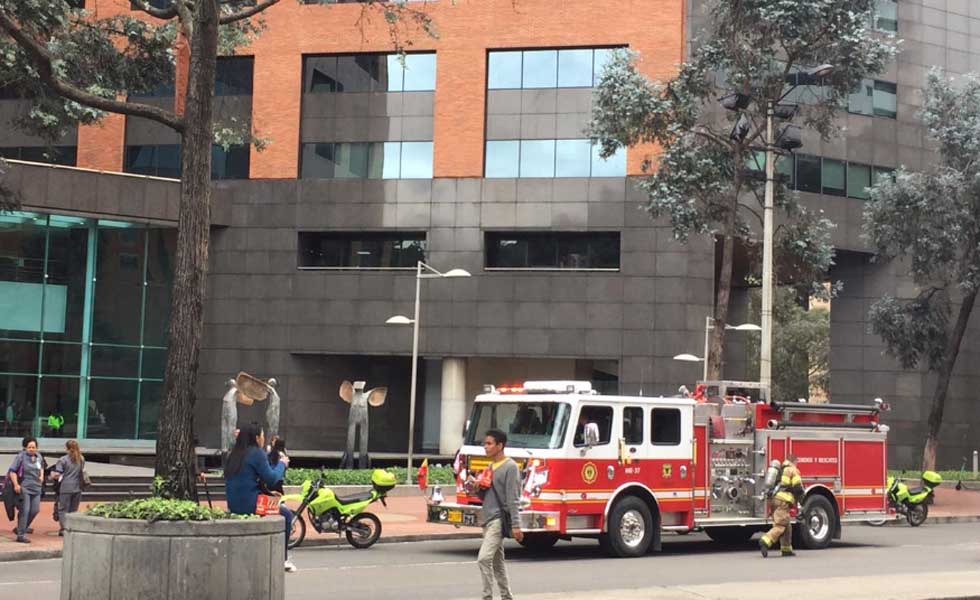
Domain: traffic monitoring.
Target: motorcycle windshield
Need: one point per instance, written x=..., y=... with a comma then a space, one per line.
x=527, y=424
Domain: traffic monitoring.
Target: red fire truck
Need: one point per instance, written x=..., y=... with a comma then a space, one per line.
x=626, y=469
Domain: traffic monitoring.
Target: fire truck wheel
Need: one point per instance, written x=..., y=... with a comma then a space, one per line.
x=539, y=542
x=731, y=535
x=630, y=528
x=816, y=523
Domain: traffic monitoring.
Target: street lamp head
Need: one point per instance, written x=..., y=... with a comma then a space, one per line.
x=735, y=101
x=457, y=273
x=821, y=71
x=688, y=358
x=399, y=320
x=747, y=327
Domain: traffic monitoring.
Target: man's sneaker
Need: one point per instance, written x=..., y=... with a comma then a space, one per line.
x=289, y=566
x=787, y=553
x=764, y=548
x=23, y=540
x=30, y=530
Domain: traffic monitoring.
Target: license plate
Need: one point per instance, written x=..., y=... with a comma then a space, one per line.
x=455, y=516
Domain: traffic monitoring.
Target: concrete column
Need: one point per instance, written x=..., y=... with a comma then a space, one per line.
x=452, y=417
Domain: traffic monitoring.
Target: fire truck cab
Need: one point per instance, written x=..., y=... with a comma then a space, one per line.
x=625, y=469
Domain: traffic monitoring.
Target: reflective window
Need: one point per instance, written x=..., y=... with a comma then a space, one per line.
x=552, y=250
x=881, y=173
x=666, y=427
x=886, y=15
x=573, y=67
x=537, y=158
x=503, y=158
x=164, y=161
x=878, y=98
x=366, y=160
x=233, y=76
x=360, y=250
x=858, y=180
x=369, y=72
x=808, y=173
x=55, y=155
x=833, y=177
x=551, y=158
x=633, y=424
x=540, y=69
x=573, y=158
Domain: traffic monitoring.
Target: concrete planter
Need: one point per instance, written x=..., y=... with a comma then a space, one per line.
x=122, y=559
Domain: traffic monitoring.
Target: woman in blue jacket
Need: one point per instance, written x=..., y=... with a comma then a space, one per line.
x=248, y=465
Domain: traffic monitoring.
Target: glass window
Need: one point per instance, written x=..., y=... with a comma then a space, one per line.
x=391, y=159
x=537, y=158
x=881, y=173
x=112, y=408
x=552, y=250
x=161, y=249
x=540, y=69
x=573, y=158
x=233, y=76
x=885, y=99
x=416, y=160
x=860, y=101
x=504, y=70
x=833, y=177
x=22, y=242
x=55, y=155
x=527, y=424
x=394, y=73
x=666, y=429
x=231, y=163
x=886, y=15
x=633, y=424
x=322, y=75
x=575, y=68
x=858, y=180
x=420, y=72
x=360, y=250
x=118, y=287
x=18, y=398
x=602, y=58
x=592, y=417
x=503, y=159
x=808, y=173
x=614, y=166
x=785, y=170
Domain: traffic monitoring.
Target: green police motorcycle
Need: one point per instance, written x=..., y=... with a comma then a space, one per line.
x=913, y=503
x=330, y=513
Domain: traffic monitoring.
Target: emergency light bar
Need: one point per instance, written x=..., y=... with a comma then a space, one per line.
x=557, y=387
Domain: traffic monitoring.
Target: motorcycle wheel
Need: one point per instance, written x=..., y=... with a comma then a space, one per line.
x=298, y=532
x=363, y=531
x=917, y=514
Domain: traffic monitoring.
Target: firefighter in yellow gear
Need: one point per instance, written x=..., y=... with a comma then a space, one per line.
x=788, y=493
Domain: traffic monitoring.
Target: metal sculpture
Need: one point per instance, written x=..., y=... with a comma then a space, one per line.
x=272, y=410
x=359, y=400
x=229, y=416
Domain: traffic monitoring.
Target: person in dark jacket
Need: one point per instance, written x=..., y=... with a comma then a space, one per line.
x=248, y=466
x=279, y=463
x=68, y=472
x=26, y=474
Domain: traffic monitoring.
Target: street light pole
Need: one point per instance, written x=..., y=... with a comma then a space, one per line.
x=415, y=364
x=707, y=327
x=765, y=359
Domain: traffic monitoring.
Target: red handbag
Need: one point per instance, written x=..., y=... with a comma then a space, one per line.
x=266, y=505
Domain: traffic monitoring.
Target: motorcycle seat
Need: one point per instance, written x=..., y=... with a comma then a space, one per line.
x=352, y=498
x=916, y=490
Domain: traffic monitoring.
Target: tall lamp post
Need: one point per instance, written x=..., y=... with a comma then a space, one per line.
x=428, y=273
x=789, y=140
x=708, y=326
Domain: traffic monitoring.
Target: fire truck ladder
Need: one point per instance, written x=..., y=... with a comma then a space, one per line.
x=848, y=412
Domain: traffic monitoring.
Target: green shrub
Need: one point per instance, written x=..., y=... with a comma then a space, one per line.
x=967, y=475
x=160, y=509
x=437, y=475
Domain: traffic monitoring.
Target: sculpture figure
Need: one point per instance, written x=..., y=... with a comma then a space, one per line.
x=229, y=416
x=359, y=401
x=272, y=410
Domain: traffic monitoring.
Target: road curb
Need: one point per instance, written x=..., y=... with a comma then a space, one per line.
x=30, y=555
x=391, y=539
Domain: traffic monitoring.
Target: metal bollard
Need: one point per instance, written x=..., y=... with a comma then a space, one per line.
x=975, y=462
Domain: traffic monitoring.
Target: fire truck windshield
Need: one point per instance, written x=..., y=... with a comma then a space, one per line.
x=527, y=424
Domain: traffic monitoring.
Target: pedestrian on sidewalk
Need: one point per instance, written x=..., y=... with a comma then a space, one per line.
x=68, y=473
x=247, y=468
x=789, y=492
x=26, y=474
x=499, y=488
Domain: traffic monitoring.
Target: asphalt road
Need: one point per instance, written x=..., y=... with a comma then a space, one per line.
x=445, y=569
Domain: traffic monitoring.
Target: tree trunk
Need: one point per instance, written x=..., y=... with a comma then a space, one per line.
x=175, y=459
x=945, y=373
x=716, y=345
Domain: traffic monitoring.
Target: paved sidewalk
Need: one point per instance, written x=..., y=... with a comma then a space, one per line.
x=404, y=520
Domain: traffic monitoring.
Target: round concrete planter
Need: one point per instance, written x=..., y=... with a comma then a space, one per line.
x=122, y=559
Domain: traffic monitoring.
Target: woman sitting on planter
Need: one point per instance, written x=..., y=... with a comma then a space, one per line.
x=68, y=471
x=247, y=467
